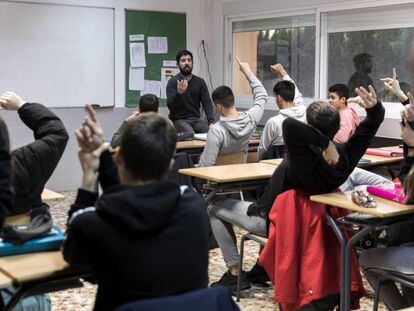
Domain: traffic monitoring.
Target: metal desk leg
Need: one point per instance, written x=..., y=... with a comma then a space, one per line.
x=243, y=239
x=346, y=255
x=347, y=265
x=342, y=242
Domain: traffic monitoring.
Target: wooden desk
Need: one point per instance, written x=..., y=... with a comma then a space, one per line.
x=385, y=213
x=378, y=160
x=48, y=195
x=190, y=144
x=385, y=208
x=231, y=173
x=272, y=161
x=194, y=144
x=28, y=267
x=41, y=272
x=375, y=160
x=5, y=281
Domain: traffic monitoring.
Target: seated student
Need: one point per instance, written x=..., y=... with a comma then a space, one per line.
x=145, y=237
x=338, y=96
x=34, y=163
x=284, y=92
x=234, y=129
x=147, y=103
x=314, y=165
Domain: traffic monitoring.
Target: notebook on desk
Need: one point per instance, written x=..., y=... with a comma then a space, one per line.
x=48, y=242
x=364, y=161
x=200, y=136
x=394, y=151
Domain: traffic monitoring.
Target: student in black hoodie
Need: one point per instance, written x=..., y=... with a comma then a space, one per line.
x=34, y=163
x=145, y=237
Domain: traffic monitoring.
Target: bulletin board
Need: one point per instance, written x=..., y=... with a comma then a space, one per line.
x=143, y=24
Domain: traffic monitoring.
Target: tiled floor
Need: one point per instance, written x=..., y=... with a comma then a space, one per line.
x=258, y=298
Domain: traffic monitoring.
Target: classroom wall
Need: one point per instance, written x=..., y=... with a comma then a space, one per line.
x=204, y=22
x=68, y=174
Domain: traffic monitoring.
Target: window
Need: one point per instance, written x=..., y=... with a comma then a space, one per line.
x=286, y=40
x=364, y=45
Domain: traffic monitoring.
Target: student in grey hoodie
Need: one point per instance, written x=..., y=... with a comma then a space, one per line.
x=285, y=95
x=234, y=129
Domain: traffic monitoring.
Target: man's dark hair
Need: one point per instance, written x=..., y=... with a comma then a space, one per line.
x=323, y=117
x=148, y=145
x=360, y=58
x=148, y=102
x=223, y=95
x=340, y=89
x=182, y=53
x=285, y=89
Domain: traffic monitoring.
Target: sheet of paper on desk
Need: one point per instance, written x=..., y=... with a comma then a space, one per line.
x=137, y=54
x=151, y=87
x=136, y=79
x=157, y=45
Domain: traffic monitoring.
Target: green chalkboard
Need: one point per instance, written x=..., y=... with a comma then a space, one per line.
x=153, y=24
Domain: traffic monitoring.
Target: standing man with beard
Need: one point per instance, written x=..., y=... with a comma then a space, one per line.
x=185, y=92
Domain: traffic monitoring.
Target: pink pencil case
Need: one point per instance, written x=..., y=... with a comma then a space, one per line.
x=394, y=194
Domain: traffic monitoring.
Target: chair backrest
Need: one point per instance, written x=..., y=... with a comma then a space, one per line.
x=216, y=298
x=274, y=152
x=231, y=158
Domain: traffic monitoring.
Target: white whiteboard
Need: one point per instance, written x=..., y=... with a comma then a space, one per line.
x=58, y=55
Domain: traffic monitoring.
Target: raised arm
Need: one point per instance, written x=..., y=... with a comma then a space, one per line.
x=281, y=71
x=392, y=85
x=39, y=158
x=259, y=92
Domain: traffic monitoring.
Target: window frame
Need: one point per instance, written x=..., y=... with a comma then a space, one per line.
x=321, y=40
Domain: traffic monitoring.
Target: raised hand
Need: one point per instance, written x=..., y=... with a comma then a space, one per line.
x=90, y=135
x=182, y=86
x=278, y=69
x=365, y=99
x=407, y=134
x=243, y=67
x=408, y=113
x=11, y=101
x=392, y=85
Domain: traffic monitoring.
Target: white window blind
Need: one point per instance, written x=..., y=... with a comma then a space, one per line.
x=386, y=17
x=274, y=23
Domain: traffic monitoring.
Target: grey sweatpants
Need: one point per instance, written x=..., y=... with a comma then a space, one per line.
x=223, y=215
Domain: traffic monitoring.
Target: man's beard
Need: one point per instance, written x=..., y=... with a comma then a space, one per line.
x=186, y=71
